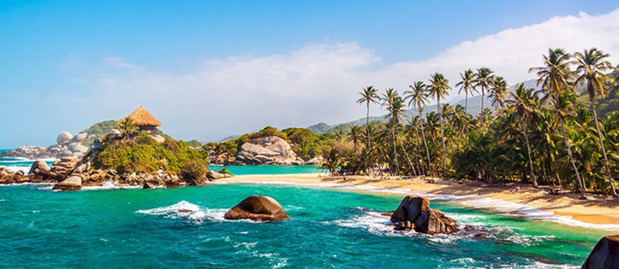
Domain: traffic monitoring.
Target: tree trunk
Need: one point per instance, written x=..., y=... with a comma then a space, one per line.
x=408, y=158
x=482, y=106
x=367, y=124
x=569, y=154
x=440, y=118
x=395, y=150
x=609, y=175
x=423, y=136
x=466, y=99
x=526, y=138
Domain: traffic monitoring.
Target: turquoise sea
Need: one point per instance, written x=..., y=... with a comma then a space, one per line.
x=328, y=228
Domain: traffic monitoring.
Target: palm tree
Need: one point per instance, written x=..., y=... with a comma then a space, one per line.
x=127, y=127
x=498, y=92
x=554, y=78
x=354, y=136
x=418, y=96
x=522, y=104
x=467, y=84
x=483, y=79
x=590, y=69
x=394, y=105
x=369, y=95
x=438, y=88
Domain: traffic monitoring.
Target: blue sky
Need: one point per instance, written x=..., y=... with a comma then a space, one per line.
x=67, y=64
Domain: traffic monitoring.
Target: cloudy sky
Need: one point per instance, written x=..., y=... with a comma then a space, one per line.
x=212, y=69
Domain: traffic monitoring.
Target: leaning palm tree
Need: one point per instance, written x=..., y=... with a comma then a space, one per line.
x=498, y=92
x=438, y=88
x=523, y=105
x=418, y=97
x=554, y=77
x=467, y=84
x=591, y=68
x=483, y=80
x=369, y=95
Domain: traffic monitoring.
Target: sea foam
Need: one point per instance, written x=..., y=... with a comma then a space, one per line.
x=186, y=210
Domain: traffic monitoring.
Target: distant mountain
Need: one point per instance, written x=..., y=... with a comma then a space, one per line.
x=473, y=108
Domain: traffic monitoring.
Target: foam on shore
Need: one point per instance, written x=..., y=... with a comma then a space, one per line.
x=473, y=201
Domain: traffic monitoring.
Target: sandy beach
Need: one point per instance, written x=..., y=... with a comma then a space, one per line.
x=596, y=212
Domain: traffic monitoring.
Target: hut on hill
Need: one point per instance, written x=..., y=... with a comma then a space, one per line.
x=144, y=120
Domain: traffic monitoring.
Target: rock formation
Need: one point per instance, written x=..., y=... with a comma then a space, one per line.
x=267, y=150
x=72, y=183
x=67, y=146
x=415, y=213
x=605, y=254
x=257, y=208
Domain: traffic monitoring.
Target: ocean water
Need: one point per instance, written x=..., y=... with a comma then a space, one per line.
x=328, y=229
x=24, y=164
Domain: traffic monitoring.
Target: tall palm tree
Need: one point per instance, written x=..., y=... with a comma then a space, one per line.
x=418, y=97
x=467, y=84
x=128, y=127
x=522, y=104
x=498, y=92
x=438, y=88
x=554, y=77
x=369, y=95
x=591, y=67
x=483, y=79
x=395, y=106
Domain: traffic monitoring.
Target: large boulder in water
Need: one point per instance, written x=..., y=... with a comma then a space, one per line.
x=73, y=183
x=414, y=212
x=64, y=137
x=605, y=254
x=257, y=208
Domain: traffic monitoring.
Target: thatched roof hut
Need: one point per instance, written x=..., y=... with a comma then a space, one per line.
x=143, y=119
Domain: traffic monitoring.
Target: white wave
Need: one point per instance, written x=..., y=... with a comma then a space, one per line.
x=109, y=185
x=186, y=210
x=494, y=205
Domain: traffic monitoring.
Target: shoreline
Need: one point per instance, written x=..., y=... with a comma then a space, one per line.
x=528, y=203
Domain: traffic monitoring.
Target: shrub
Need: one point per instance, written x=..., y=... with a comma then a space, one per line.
x=193, y=169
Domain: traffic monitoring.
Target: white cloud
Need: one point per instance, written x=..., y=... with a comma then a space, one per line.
x=319, y=82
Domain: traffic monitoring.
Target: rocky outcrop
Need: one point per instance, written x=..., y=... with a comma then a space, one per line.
x=257, y=208
x=72, y=183
x=216, y=175
x=605, y=254
x=267, y=150
x=415, y=213
x=67, y=146
x=38, y=166
x=9, y=177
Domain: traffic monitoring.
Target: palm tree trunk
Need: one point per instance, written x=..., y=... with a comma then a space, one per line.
x=526, y=138
x=425, y=143
x=466, y=99
x=440, y=117
x=482, y=105
x=569, y=154
x=367, y=124
x=408, y=159
x=609, y=175
x=395, y=150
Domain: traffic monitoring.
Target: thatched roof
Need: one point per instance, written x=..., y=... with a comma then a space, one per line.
x=141, y=117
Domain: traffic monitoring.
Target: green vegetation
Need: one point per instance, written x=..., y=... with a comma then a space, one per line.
x=99, y=129
x=193, y=169
x=144, y=154
x=304, y=142
x=551, y=136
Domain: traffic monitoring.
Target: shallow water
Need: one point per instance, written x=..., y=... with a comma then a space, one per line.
x=329, y=228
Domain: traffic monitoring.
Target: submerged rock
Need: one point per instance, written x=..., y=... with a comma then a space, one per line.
x=257, y=208
x=414, y=213
x=73, y=183
x=605, y=254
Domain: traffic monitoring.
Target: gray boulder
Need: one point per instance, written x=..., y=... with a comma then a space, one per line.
x=63, y=137
x=267, y=150
x=72, y=183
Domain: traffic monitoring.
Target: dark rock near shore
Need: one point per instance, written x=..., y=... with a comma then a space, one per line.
x=257, y=208
x=414, y=213
x=605, y=254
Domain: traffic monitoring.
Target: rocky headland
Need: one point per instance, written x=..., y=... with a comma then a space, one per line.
x=267, y=150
